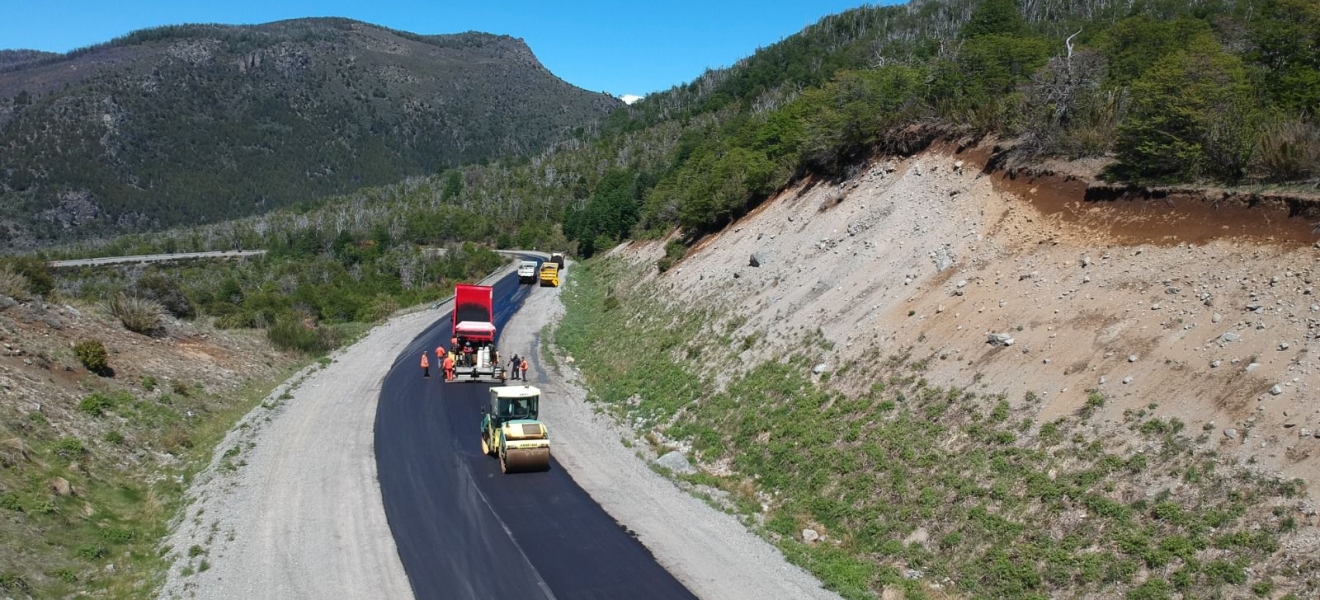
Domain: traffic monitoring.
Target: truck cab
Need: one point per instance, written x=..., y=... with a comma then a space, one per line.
x=511, y=431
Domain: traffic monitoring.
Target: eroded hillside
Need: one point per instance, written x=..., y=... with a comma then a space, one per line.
x=1134, y=349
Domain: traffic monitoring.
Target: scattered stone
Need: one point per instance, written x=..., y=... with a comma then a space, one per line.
x=1214, y=364
x=1231, y=433
x=913, y=574
x=962, y=283
x=1276, y=390
x=1102, y=380
x=810, y=536
x=999, y=339
x=1127, y=380
x=1283, y=345
x=1132, y=358
x=820, y=368
x=1229, y=336
x=1216, y=318
x=1304, y=433
x=756, y=261
x=1252, y=366
x=676, y=462
x=1026, y=276
x=61, y=486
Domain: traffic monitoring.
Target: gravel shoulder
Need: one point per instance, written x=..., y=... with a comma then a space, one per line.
x=709, y=551
x=290, y=506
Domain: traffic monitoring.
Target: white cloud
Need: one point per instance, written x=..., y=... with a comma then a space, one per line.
x=629, y=98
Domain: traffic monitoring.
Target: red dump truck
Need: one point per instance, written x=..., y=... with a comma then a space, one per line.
x=474, y=332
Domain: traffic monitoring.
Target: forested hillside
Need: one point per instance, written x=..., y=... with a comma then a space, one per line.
x=203, y=123
x=1218, y=93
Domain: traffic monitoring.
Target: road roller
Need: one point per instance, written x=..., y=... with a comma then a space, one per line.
x=511, y=431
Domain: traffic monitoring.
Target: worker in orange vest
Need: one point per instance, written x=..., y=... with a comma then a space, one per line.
x=440, y=354
x=426, y=367
x=524, y=368
x=449, y=368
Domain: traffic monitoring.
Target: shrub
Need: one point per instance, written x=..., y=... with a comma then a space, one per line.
x=97, y=404
x=1289, y=151
x=165, y=291
x=69, y=447
x=92, y=354
x=139, y=315
x=291, y=333
x=148, y=383
x=114, y=437
x=13, y=283
x=34, y=271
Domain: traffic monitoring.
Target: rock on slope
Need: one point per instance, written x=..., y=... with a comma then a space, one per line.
x=1204, y=307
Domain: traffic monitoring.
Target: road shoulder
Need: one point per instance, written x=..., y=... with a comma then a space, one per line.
x=709, y=551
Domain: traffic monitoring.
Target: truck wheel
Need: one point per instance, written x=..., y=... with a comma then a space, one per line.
x=504, y=464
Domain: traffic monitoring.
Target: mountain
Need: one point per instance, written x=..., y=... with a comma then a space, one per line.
x=198, y=123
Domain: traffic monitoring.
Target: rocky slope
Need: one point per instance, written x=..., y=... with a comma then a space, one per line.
x=92, y=465
x=1200, y=303
x=199, y=123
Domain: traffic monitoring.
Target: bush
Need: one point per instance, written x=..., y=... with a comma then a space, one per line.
x=13, y=283
x=39, y=280
x=97, y=404
x=92, y=354
x=291, y=333
x=1289, y=151
x=139, y=315
x=166, y=291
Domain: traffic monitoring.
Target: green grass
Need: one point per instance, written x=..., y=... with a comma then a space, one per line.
x=1008, y=513
x=120, y=509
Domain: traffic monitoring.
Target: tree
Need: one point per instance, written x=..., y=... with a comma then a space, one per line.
x=995, y=17
x=1286, y=42
x=1193, y=116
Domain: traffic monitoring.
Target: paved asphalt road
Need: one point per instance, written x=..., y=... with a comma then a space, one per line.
x=462, y=528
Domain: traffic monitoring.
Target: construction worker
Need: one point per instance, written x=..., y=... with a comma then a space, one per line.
x=524, y=369
x=514, y=365
x=439, y=354
x=426, y=367
x=449, y=368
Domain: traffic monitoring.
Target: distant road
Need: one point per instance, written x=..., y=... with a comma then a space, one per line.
x=152, y=258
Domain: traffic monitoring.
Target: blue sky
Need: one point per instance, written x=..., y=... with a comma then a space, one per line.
x=616, y=47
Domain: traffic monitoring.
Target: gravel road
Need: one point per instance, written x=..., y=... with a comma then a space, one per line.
x=152, y=258
x=302, y=516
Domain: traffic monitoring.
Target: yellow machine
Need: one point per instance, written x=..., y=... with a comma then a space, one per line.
x=549, y=275
x=511, y=431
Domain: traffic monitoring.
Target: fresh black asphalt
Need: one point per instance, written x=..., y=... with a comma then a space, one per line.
x=463, y=529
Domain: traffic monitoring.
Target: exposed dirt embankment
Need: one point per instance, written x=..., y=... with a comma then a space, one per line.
x=1201, y=304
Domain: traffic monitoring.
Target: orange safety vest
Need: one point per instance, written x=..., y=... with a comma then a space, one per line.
x=439, y=352
x=449, y=363
x=425, y=363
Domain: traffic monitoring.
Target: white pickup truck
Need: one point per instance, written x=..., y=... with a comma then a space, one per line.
x=527, y=271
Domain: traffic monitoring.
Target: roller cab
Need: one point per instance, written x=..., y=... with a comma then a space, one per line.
x=512, y=432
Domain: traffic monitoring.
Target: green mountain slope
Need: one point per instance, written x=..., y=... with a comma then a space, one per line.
x=199, y=123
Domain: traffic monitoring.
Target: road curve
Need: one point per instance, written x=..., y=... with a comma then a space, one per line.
x=463, y=530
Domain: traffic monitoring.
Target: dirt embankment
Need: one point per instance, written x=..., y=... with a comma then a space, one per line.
x=1199, y=303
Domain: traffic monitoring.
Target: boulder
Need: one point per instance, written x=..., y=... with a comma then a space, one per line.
x=1231, y=433
x=820, y=368
x=999, y=339
x=810, y=536
x=675, y=461
x=61, y=487
x=756, y=261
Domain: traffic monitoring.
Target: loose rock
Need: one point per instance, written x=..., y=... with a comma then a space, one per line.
x=675, y=461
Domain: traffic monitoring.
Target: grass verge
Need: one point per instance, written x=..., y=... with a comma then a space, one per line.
x=96, y=507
